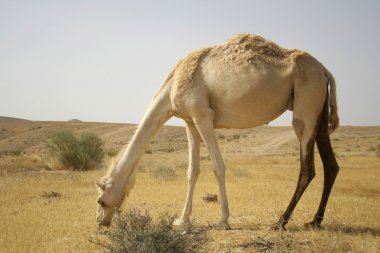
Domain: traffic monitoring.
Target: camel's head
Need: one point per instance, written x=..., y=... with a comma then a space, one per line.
x=110, y=198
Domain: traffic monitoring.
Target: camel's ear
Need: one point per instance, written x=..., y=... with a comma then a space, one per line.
x=101, y=185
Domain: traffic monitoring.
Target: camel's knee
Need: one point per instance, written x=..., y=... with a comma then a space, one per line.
x=193, y=172
x=219, y=172
x=298, y=126
x=307, y=163
x=331, y=172
x=309, y=175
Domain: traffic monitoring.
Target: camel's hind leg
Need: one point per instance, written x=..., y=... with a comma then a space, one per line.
x=309, y=98
x=330, y=165
x=193, y=139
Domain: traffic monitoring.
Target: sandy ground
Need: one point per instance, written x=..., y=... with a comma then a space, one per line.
x=262, y=169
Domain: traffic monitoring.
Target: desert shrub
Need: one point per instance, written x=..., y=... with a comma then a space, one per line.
x=81, y=153
x=372, y=148
x=134, y=231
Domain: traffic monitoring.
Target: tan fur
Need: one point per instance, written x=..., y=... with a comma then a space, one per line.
x=298, y=126
x=185, y=69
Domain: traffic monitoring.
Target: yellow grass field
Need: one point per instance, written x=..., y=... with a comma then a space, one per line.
x=262, y=170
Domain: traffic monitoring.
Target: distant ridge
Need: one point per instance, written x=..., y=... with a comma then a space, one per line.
x=74, y=120
x=3, y=118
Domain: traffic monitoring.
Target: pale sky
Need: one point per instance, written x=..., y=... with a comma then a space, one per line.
x=104, y=60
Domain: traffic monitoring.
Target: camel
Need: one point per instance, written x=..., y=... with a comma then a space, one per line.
x=244, y=82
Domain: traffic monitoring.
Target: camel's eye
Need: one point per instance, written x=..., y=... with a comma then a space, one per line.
x=101, y=203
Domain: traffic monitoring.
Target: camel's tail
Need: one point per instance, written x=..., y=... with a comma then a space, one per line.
x=333, y=115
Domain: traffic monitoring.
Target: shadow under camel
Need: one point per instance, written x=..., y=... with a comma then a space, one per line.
x=346, y=229
x=353, y=230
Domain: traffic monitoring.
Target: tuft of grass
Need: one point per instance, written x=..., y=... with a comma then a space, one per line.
x=81, y=153
x=164, y=173
x=112, y=152
x=148, y=151
x=134, y=231
x=241, y=172
x=11, y=152
x=21, y=163
x=372, y=148
x=170, y=149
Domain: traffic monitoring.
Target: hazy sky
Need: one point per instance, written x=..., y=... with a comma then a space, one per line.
x=104, y=60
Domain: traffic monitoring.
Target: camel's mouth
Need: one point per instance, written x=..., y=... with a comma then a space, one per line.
x=104, y=216
x=104, y=223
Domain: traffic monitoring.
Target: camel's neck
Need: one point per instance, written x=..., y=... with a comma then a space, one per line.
x=158, y=113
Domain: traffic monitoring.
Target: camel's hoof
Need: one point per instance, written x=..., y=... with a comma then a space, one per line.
x=277, y=227
x=312, y=225
x=181, y=222
x=223, y=225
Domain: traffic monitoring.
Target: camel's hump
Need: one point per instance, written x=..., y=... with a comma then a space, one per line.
x=240, y=49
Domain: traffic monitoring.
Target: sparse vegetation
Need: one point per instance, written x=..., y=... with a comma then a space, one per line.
x=170, y=149
x=11, y=152
x=164, y=173
x=241, y=172
x=112, y=152
x=258, y=190
x=135, y=231
x=81, y=153
x=148, y=151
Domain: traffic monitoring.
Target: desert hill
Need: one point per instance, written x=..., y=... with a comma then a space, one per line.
x=31, y=137
x=4, y=118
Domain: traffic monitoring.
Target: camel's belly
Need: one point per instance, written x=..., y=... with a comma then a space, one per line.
x=243, y=100
x=227, y=117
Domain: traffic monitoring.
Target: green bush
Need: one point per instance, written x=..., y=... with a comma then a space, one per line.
x=134, y=231
x=81, y=153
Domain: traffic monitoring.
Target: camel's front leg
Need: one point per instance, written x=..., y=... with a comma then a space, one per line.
x=192, y=173
x=205, y=126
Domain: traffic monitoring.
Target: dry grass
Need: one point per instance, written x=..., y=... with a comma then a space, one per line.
x=259, y=189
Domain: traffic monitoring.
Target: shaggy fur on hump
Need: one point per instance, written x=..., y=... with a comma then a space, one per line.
x=241, y=49
x=250, y=49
